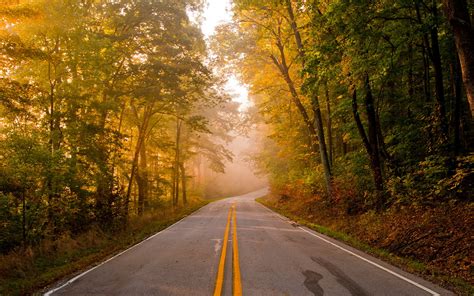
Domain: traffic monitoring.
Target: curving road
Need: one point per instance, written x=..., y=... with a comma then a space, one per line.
x=276, y=257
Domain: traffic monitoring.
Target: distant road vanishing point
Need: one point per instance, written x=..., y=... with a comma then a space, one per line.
x=236, y=246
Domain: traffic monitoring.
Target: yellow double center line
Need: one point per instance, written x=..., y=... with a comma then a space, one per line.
x=237, y=283
x=235, y=250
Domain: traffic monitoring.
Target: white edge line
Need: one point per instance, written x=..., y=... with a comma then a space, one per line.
x=50, y=292
x=373, y=263
x=358, y=256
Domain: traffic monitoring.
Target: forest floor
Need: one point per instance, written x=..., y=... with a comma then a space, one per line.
x=433, y=242
x=25, y=271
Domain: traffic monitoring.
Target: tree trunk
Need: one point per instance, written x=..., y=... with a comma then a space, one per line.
x=23, y=218
x=373, y=137
x=142, y=181
x=458, y=16
x=318, y=120
x=344, y=148
x=142, y=131
x=370, y=141
x=426, y=75
x=411, y=83
x=427, y=55
x=296, y=32
x=438, y=69
x=457, y=95
x=329, y=125
x=360, y=127
x=183, y=183
x=176, y=163
x=315, y=133
x=173, y=185
x=54, y=136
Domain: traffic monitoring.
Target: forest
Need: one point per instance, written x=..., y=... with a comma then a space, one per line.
x=366, y=110
x=114, y=111
x=359, y=96
x=109, y=110
x=104, y=108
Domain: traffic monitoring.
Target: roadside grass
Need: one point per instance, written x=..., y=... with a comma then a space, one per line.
x=27, y=271
x=458, y=285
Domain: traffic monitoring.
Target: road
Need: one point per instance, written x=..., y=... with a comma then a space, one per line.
x=276, y=257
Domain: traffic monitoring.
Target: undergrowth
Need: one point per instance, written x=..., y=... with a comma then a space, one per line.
x=398, y=236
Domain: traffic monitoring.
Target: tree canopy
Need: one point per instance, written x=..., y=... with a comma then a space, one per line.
x=112, y=109
x=364, y=100
x=104, y=107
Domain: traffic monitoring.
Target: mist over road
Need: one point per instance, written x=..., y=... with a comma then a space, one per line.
x=276, y=257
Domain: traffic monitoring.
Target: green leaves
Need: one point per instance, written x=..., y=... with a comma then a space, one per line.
x=392, y=43
x=90, y=92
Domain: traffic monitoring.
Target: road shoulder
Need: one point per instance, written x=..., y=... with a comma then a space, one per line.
x=384, y=258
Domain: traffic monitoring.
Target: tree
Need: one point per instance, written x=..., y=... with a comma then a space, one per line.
x=89, y=92
x=457, y=13
x=273, y=25
x=395, y=54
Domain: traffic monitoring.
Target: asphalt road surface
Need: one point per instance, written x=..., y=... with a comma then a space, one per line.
x=266, y=254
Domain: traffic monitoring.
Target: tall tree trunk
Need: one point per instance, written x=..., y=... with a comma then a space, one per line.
x=314, y=133
x=458, y=16
x=183, y=183
x=411, y=83
x=438, y=69
x=176, y=163
x=373, y=136
x=296, y=31
x=360, y=126
x=105, y=178
x=52, y=140
x=318, y=120
x=329, y=124
x=54, y=136
x=142, y=181
x=370, y=141
x=142, y=132
x=426, y=52
x=457, y=95
x=426, y=75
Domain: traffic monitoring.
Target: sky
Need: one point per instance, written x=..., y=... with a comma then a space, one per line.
x=218, y=12
x=215, y=12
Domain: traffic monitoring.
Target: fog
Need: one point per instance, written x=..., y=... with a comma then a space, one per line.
x=241, y=175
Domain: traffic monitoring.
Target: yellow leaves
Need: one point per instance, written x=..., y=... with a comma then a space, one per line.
x=346, y=137
x=346, y=65
x=109, y=31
